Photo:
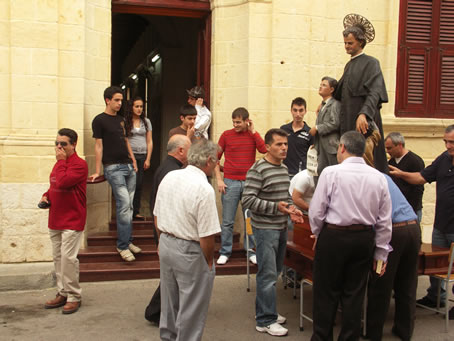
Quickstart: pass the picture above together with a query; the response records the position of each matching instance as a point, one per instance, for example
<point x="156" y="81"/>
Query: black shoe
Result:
<point x="396" y="334"/>
<point x="451" y="314"/>
<point x="426" y="301"/>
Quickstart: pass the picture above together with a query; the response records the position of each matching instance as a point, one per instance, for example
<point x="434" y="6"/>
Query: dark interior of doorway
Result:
<point x="136" y="39"/>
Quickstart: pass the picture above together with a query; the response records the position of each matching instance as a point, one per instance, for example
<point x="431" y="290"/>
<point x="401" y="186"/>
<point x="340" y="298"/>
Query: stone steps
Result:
<point x="108" y="253"/>
<point x="100" y="261"/>
<point x="116" y="271"/>
<point x="142" y="236"/>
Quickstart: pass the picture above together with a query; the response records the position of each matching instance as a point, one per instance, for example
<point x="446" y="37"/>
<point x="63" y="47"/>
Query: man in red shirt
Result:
<point x="66" y="200"/>
<point x="239" y="146"/>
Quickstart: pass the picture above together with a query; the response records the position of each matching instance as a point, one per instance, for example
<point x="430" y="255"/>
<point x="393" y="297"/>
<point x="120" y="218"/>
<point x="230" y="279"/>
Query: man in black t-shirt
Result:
<point x="299" y="139"/>
<point x="177" y="157"/>
<point x="441" y="171"/>
<point x="406" y="161"/>
<point x="113" y="150"/>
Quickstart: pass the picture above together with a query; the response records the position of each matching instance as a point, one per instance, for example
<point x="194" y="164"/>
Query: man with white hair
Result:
<point x="187" y="220"/>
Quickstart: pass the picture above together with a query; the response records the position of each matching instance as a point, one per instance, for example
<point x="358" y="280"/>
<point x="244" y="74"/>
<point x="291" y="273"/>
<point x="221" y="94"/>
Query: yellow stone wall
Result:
<point x="54" y="66"/>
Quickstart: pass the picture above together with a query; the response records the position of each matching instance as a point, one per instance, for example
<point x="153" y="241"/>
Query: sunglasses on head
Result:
<point x="61" y="143"/>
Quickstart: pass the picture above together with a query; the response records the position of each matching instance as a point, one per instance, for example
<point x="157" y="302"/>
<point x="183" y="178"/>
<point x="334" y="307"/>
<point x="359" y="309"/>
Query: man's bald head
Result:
<point x="178" y="147"/>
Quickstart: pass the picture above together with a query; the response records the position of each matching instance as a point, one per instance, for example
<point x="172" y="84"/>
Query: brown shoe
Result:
<point x="71" y="307"/>
<point x="58" y="301"/>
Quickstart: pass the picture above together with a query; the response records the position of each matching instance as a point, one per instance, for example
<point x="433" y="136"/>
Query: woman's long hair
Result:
<point x="130" y="114"/>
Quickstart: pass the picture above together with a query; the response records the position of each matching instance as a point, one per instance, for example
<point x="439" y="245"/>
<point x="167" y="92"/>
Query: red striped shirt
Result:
<point x="239" y="152"/>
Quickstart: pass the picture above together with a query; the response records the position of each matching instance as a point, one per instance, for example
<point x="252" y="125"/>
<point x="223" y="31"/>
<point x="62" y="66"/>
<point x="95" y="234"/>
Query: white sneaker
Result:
<point x="281" y="319"/>
<point x="274" y="329"/>
<point x="222" y="260"/>
<point x="126" y="255"/>
<point x="253" y="259"/>
<point x="134" y="249"/>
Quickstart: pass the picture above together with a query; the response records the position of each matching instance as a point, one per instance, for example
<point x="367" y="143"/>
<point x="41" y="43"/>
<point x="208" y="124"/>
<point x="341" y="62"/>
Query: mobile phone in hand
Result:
<point x="43" y="204"/>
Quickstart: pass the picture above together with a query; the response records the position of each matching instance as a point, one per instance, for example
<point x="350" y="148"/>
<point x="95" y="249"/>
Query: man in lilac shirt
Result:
<point x="350" y="215"/>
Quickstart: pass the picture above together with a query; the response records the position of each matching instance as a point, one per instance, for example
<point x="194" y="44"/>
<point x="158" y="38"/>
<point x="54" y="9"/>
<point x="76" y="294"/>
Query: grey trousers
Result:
<point x="186" y="286"/>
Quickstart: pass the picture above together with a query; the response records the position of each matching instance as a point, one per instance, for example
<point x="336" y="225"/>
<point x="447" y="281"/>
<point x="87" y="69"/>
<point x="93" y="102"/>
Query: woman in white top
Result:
<point x="138" y="130"/>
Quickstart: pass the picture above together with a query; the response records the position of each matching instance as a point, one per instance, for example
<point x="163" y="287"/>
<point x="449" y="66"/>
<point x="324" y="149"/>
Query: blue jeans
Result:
<point x="122" y="179"/>
<point x="230" y="201"/>
<point x="271" y="245"/>
<point x="444" y="240"/>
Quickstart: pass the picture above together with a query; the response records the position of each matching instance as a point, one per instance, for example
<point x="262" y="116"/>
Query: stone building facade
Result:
<point x="55" y="60"/>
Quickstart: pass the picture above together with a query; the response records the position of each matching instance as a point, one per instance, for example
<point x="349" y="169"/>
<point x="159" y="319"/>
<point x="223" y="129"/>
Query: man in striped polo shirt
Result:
<point x="239" y="147"/>
<point x="266" y="195"/>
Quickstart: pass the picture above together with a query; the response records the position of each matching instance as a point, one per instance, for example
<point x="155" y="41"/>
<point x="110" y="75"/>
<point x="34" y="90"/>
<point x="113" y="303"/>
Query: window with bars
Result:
<point x="425" y="62"/>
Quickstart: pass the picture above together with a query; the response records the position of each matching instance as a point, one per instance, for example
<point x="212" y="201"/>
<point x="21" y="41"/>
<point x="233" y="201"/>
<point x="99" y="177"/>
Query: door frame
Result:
<point x="178" y="8"/>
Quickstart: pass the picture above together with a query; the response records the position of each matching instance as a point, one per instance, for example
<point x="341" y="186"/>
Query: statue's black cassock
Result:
<point x="362" y="90"/>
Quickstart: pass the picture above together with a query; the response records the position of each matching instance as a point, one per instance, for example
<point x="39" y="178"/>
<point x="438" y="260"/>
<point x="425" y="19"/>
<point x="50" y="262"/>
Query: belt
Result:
<point x="405" y="223"/>
<point x="116" y="163"/>
<point x="354" y="227"/>
<point x="172" y="235"/>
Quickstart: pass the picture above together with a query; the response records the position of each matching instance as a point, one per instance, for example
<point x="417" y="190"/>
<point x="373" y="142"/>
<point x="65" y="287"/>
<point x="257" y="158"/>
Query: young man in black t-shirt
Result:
<point x="113" y="150"/>
<point x="299" y="139"/>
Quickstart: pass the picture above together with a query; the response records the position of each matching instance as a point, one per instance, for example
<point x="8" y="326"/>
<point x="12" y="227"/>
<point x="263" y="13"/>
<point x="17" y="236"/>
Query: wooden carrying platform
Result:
<point x="300" y="257"/>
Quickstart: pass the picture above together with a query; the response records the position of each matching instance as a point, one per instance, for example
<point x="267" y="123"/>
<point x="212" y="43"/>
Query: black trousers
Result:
<point x="402" y="276"/>
<point x="140" y="158"/>
<point x="342" y="262"/>
<point x="153" y="310"/>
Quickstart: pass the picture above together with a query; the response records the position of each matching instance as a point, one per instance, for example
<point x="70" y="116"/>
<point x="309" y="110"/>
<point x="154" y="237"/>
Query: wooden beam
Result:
<point x="176" y="8"/>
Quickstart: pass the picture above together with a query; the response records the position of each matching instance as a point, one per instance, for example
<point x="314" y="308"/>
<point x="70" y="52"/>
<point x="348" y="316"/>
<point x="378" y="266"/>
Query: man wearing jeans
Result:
<point x="120" y="167"/>
<point x="441" y="171"/>
<point x="266" y="195"/>
<point x="67" y="203"/>
<point x="239" y="146"/>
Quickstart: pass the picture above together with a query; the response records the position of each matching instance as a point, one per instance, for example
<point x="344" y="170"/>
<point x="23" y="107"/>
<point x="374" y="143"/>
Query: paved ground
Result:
<point x="114" y="311"/>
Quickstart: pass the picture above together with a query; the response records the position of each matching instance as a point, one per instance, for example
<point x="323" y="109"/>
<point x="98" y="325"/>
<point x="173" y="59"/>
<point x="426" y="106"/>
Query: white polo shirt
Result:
<point x="304" y="183"/>
<point x="186" y="205"/>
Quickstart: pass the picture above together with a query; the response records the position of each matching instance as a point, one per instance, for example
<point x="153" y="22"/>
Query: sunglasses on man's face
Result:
<point x="61" y="143"/>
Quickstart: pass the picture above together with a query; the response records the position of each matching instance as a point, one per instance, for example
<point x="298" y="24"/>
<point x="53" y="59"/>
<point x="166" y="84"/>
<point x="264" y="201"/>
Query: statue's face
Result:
<point x="325" y="89"/>
<point x="352" y="46"/>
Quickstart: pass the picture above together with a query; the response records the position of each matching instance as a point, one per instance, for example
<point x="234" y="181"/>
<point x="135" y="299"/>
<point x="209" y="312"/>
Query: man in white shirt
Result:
<point x="196" y="97"/>
<point x="302" y="188"/>
<point x="186" y="219"/>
